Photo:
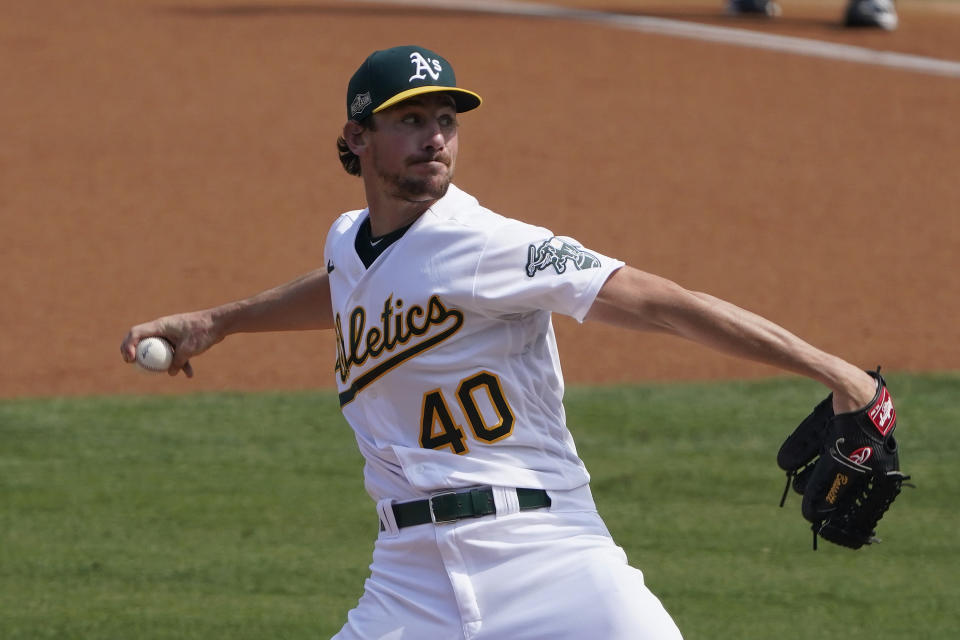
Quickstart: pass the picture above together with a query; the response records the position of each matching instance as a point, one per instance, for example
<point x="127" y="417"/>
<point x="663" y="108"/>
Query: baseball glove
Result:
<point x="847" y="468"/>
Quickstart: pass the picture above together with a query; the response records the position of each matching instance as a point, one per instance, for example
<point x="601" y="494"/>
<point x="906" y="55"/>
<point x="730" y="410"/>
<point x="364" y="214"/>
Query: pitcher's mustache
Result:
<point x="430" y="157"/>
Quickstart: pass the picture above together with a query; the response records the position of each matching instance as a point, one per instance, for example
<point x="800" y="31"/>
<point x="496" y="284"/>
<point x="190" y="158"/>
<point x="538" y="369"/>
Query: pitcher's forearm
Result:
<point x="742" y="333"/>
<point x="301" y="304"/>
<point x="643" y="301"/>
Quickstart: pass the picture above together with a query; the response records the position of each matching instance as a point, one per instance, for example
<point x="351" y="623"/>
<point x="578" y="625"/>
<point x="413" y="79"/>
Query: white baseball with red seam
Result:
<point x="154" y="355"/>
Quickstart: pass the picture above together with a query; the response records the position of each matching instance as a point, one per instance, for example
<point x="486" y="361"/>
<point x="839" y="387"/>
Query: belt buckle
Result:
<point x="433" y="516"/>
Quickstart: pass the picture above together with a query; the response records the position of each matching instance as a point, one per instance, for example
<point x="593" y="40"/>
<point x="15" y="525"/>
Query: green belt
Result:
<point x="451" y="506"/>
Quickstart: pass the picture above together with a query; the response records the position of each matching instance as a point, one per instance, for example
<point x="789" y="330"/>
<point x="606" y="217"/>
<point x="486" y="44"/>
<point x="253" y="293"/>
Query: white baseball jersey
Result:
<point x="447" y="365"/>
<point x="448" y="373"/>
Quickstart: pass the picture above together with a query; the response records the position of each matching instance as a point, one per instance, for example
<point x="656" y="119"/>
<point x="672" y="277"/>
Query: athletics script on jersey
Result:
<point x="556" y="252"/>
<point x="403" y="332"/>
<point x="397" y="327"/>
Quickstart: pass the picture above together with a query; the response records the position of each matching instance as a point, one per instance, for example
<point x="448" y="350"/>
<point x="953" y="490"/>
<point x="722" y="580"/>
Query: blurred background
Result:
<point x="166" y="156"/>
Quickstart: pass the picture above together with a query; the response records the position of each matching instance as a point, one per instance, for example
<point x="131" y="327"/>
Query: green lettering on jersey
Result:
<point x="397" y="327"/>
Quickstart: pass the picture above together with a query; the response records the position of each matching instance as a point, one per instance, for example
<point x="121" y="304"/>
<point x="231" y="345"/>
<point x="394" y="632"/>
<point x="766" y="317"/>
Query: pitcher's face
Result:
<point x="413" y="149"/>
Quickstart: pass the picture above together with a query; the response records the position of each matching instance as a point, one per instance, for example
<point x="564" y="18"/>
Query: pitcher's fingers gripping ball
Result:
<point x="154" y="355"/>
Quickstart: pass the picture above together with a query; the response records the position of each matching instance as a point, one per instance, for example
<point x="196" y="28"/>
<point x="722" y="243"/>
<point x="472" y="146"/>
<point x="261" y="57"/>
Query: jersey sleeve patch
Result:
<point x="559" y="253"/>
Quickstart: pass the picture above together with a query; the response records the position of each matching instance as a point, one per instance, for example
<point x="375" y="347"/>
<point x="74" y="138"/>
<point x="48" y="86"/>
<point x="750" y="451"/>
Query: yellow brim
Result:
<point x="465" y="100"/>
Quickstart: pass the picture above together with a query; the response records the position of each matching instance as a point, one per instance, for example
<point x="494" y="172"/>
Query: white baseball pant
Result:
<point x="548" y="574"/>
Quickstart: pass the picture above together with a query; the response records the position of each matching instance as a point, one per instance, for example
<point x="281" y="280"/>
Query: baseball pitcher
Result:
<point x="446" y="364"/>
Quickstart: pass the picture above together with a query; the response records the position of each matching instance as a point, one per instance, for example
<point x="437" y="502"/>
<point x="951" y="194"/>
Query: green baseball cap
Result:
<point x="392" y="75"/>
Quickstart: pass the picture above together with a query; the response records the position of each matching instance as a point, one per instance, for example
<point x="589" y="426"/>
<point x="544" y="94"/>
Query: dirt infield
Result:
<point x="164" y="156"/>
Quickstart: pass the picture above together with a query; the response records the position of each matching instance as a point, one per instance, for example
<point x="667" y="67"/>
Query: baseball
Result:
<point x="154" y="355"/>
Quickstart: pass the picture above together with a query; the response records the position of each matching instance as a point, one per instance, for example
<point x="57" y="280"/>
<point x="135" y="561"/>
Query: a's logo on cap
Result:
<point x="423" y="65"/>
<point x="361" y="102"/>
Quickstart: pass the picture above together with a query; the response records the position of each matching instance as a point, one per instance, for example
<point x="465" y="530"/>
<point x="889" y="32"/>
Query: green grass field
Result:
<point x="241" y="516"/>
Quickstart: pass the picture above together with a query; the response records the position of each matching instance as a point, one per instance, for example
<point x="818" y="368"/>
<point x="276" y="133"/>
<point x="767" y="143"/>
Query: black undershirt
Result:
<point x="370" y="248"/>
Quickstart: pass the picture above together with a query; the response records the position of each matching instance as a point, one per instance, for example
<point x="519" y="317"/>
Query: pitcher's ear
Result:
<point x="353" y="135"/>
